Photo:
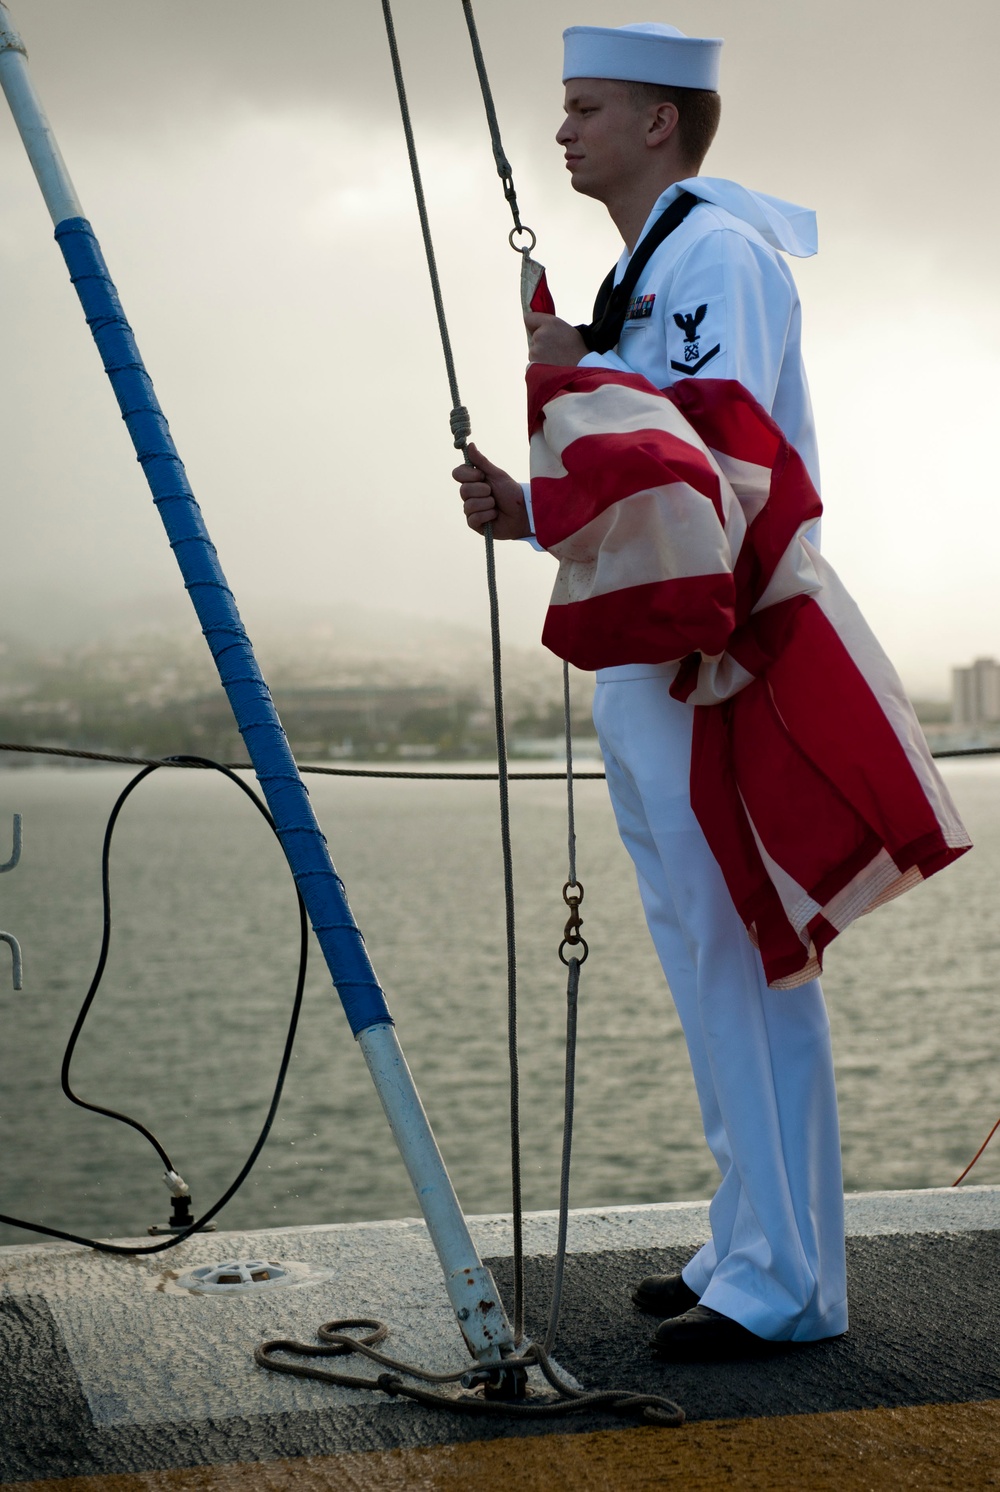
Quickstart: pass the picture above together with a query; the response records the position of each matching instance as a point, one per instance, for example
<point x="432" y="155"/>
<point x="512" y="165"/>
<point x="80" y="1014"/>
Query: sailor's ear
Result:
<point x="662" y="123"/>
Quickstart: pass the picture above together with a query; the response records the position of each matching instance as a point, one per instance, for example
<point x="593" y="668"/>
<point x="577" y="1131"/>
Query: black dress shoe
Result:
<point x="664" y="1295"/>
<point x="702" y="1335"/>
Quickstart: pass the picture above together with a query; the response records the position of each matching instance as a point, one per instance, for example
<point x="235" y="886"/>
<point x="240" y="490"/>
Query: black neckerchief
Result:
<point x="612" y="303"/>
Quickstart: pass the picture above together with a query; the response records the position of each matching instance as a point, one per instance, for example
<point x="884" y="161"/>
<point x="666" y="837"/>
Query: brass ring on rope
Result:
<point x="521" y="248"/>
<point x="581" y="958"/>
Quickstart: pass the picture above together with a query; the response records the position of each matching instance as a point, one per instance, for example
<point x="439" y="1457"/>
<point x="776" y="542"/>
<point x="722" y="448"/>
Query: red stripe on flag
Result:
<point x="792" y="503"/>
<point x="758" y="641"/>
<point x="652" y="623"/>
<point x="716" y="801"/>
<point x="542" y="299"/>
<point x="828" y="708"/>
<point x="807" y="754"/>
<point x="804" y="823"/>
<point x="729" y="420"/>
<point x="605" y="469"/>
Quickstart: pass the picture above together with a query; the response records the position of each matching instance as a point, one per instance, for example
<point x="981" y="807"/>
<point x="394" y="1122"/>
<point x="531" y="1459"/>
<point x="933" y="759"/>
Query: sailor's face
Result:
<point x="602" y="136"/>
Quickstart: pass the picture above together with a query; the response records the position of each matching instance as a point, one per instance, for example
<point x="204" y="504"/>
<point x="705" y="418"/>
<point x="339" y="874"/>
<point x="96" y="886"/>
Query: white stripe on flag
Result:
<point x="750" y="482"/>
<point x="615" y="410"/>
<point x="665" y="533"/>
<point x="794" y="575"/>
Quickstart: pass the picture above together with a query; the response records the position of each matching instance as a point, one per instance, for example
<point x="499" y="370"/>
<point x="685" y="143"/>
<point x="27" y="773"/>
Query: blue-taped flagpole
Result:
<point x="471" y="1289"/>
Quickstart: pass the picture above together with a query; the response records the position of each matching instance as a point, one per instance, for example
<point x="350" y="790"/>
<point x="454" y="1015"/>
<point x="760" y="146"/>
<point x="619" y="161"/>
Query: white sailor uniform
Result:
<point x="717" y="300"/>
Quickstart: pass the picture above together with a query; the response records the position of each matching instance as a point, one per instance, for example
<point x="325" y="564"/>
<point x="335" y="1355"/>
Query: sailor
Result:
<point x="714" y="299"/>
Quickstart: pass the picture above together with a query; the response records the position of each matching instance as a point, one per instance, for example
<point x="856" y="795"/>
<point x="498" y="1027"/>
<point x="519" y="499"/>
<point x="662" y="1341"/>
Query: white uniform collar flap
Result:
<point x="781" y="224"/>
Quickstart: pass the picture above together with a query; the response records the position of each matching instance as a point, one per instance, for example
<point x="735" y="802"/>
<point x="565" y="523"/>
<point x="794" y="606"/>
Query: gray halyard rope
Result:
<point x="570" y="807"/>
<point x="461" y="425"/>
<point x="573" y="966"/>
<point x="461" y="429"/>
<point x="503" y="165"/>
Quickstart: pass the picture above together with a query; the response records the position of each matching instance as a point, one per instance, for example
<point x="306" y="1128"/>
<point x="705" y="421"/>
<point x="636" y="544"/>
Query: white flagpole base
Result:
<point x="471" y="1290"/>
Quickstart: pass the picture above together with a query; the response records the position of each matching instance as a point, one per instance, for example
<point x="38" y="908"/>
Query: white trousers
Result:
<point x="761" y="1058"/>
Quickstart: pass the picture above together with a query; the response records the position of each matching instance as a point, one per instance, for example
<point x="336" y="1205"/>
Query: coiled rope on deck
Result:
<point x="335" y="1341"/>
<point x="570" y="776"/>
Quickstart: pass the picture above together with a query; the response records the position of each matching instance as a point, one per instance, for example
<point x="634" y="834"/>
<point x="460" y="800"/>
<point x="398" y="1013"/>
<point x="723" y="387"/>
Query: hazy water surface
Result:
<point x="187" y="1029"/>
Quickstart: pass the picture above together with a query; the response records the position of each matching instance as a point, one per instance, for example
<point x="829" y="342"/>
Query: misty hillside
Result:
<point x="347" y="682"/>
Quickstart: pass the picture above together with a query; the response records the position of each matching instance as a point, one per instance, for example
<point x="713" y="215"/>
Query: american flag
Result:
<point x="678" y="518"/>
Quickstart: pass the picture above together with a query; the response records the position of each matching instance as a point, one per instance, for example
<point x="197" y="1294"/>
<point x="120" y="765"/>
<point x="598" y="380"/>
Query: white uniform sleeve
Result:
<point x="530" y="538"/>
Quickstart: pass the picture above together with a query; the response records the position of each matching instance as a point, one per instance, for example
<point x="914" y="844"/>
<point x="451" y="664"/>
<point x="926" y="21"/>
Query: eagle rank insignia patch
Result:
<point x="694" y="335"/>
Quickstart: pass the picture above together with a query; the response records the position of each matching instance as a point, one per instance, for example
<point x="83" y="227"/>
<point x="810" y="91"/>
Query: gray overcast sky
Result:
<point x="244" y="168"/>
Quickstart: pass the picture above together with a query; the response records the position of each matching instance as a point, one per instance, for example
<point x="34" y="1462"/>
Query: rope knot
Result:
<point x="461" y="425"/>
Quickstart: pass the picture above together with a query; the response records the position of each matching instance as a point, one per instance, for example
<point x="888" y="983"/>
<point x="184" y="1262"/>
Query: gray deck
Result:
<point x="107" y="1366"/>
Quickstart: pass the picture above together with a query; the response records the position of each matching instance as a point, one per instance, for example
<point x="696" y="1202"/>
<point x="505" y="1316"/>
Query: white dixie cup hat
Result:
<point x="647" y="52"/>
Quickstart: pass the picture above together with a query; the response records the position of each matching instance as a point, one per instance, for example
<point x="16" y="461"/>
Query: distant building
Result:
<point x="975" y="693"/>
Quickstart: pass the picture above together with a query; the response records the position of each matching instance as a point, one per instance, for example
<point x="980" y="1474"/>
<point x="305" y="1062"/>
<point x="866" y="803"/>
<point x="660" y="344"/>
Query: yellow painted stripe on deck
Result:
<point x="930" y="1447"/>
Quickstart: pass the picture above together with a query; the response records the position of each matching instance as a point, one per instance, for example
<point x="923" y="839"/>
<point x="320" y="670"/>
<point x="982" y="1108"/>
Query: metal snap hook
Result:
<point x="15" y="954"/>
<point x="15" y="857"/>
<point x="9" y="938"/>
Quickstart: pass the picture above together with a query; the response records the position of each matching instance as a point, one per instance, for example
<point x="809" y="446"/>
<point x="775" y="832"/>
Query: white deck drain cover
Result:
<point x="238" y="1276"/>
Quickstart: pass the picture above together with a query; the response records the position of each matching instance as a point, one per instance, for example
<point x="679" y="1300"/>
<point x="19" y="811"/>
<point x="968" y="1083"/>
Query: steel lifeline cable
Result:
<point x="78" y="753"/>
<point x="182" y="1201"/>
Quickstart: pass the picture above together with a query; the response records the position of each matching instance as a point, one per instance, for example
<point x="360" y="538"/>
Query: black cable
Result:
<point x="197" y="1226"/>
<point x="95" y="983"/>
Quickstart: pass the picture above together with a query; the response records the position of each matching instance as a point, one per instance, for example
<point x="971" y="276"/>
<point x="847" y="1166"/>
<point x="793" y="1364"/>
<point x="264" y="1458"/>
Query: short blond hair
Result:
<point x="698" y="109"/>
